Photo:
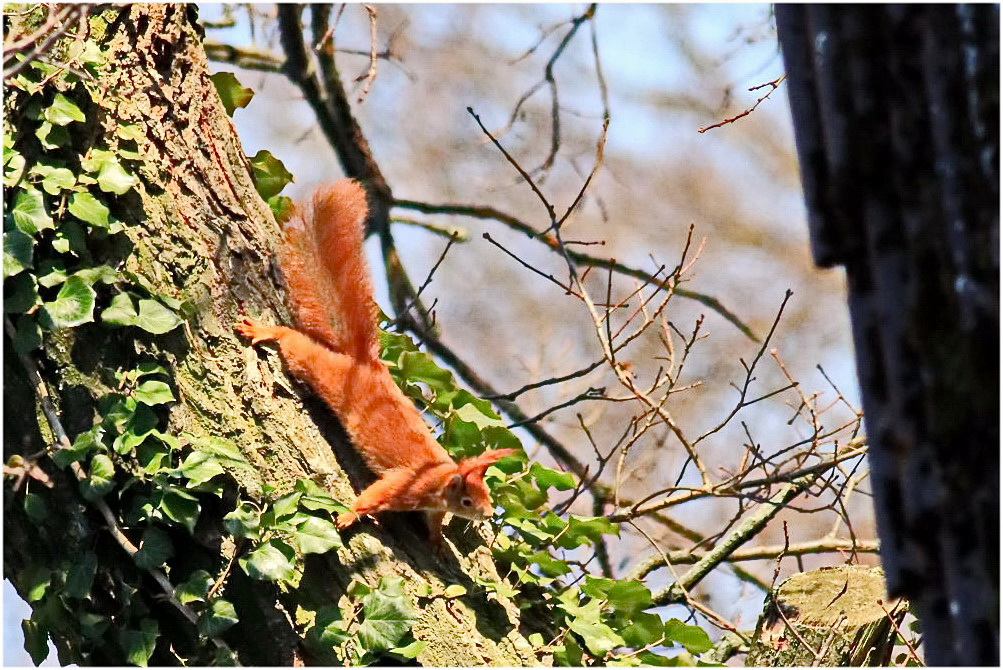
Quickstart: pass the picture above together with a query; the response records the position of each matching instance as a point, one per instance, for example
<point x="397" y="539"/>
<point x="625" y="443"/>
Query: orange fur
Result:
<point x="328" y="281"/>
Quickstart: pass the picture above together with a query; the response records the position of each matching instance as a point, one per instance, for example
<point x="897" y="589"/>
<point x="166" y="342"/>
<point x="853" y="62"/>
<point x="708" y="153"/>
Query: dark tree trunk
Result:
<point x="896" y="114"/>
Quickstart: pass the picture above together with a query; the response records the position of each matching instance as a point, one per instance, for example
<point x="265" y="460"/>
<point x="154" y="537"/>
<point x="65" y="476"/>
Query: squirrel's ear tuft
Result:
<point x="478" y="464"/>
<point x="455" y="482"/>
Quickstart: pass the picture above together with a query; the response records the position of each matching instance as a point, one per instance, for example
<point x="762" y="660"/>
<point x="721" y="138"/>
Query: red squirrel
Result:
<point x="329" y="283"/>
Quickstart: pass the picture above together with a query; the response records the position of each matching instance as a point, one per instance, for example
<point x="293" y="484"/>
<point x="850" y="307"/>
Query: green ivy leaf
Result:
<point x="315" y="498"/>
<point x="328" y="630"/>
<point x="27" y="335"/>
<point x="509" y="497"/>
<point x="629" y="597"/>
<point x="220" y="616"/>
<point x="35" y="507"/>
<point x="282" y="207"/>
<point x="199" y="467"/>
<point x="150" y="367"/>
<point x="317" y="536"/>
<point x="285" y="507"/>
<point x="154" y="318"/>
<point x="645" y="629"/>
<point x="626" y="598"/>
<point x="36" y="640"/>
<point x="272" y="561"/>
<point x="416" y="366"/>
<point x="80" y="577"/>
<point x="393" y="345"/>
<point x="73" y="306"/>
<point x="475" y="416"/>
<point x="153" y="392"/>
<point x="139" y="424"/>
<point x="547" y="478"/>
<point x="411" y="650"/>
<point x="224" y="450"/>
<point x="20" y="294"/>
<point x="657" y="660"/>
<point x="461" y="436"/>
<point x="18" y="253"/>
<point x="100" y="478"/>
<point x="153" y="457"/>
<point x="120" y="312"/>
<point x="90" y="54"/>
<point x="13" y="162"/>
<point x="244" y="521"/>
<point x="116" y="410"/>
<point x="195" y="588"/>
<point x="496" y="437"/>
<point x="181" y="506"/>
<point x="70" y="238"/>
<point x="112" y="178"/>
<point x="93" y="626"/>
<point x="530" y="528"/>
<point x="549" y="565"/>
<point x="34" y="581"/>
<point x="270" y="175"/>
<point x="139" y="644"/>
<point x="141" y="511"/>
<point x="95" y="159"/>
<point x="52" y="136"/>
<point x="569" y="653"/>
<point x="56" y="180"/>
<point x="599" y="638"/>
<point x="85" y="443"/>
<point x="388" y="615"/>
<point x="154" y="550"/>
<point x="29" y="211"/>
<point x="501" y="587"/>
<point x="231" y="92"/>
<point x="51" y="272"/>
<point x="693" y="638"/>
<point x="586" y="530"/>
<point x="104" y="274"/>
<point x="89" y="209"/>
<point x="62" y="111"/>
<point x="130" y="131"/>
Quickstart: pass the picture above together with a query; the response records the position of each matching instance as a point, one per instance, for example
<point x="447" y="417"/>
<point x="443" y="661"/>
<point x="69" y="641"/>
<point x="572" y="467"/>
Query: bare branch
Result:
<point x="741" y="534"/>
<point x="773" y="86"/>
<point x="488" y="212"/>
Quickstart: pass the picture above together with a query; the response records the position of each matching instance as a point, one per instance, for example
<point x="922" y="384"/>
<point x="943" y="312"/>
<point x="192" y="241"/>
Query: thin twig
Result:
<point x="773" y="86"/>
<point x="370" y="75"/>
<point x="488" y="212"/>
<point x="514" y="163"/>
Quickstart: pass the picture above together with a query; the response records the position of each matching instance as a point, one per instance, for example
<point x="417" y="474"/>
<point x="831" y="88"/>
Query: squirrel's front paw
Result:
<point x="253" y="331"/>
<point x="345" y="520"/>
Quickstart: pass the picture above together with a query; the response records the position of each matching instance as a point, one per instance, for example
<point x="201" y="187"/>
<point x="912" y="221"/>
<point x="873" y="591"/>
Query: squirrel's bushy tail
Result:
<point x="325" y="267"/>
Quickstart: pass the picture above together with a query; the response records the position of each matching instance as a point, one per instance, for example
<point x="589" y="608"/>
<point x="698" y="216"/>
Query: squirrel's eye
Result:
<point x="466" y="502"/>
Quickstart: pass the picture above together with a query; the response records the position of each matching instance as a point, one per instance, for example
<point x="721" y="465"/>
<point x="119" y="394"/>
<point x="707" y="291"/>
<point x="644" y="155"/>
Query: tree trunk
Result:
<point x="200" y="234"/>
<point x="832" y="617"/>
<point x="896" y="113"/>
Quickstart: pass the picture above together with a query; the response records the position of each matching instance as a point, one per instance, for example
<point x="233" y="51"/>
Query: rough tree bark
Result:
<point x="202" y="233"/>
<point x="896" y="113"/>
<point x="831" y="617"/>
